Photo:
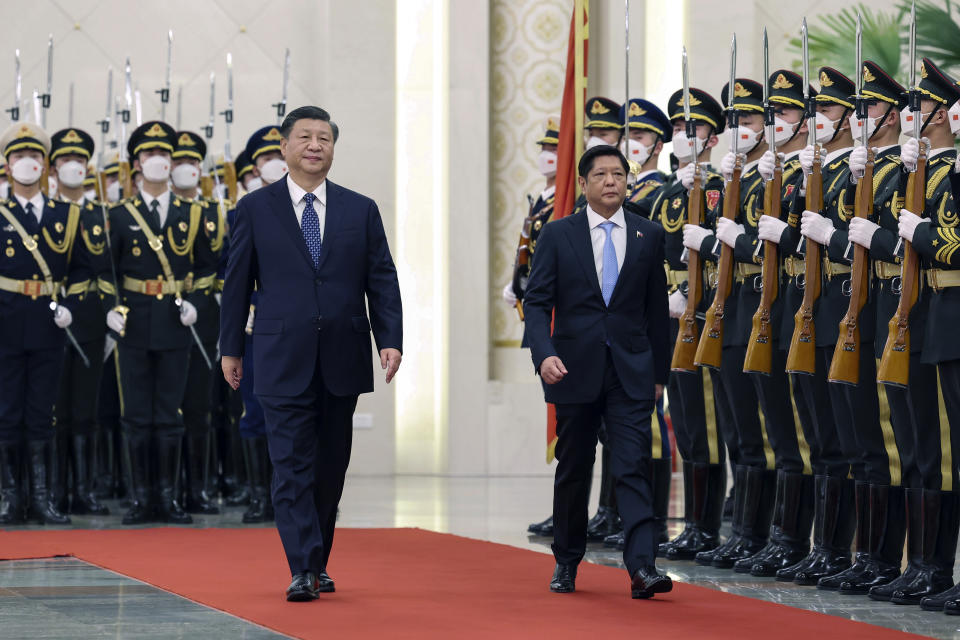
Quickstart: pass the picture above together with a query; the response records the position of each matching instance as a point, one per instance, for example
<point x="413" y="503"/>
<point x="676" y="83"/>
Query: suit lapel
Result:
<point x="331" y="222"/>
<point x="579" y="236"/>
<point x="283" y="210"/>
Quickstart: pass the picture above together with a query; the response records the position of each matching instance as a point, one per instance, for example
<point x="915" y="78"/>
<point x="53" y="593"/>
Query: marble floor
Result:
<point x="68" y="598"/>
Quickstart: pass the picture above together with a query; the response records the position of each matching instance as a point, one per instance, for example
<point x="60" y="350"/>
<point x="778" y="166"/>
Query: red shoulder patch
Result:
<point x="789" y="190"/>
<point x="713" y="198"/>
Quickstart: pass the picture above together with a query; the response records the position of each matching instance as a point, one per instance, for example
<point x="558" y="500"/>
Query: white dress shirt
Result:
<point x="37" y="201"/>
<point x="299" y="204"/>
<point x="163" y="200"/>
<point x="598" y="237"/>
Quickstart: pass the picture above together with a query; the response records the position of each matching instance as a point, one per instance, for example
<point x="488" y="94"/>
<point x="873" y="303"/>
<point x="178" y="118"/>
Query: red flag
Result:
<point x="570" y="145"/>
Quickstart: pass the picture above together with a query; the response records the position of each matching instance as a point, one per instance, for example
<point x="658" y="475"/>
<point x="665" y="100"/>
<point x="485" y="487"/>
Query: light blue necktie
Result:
<point x="310" y="225"/>
<point x="610" y="270"/>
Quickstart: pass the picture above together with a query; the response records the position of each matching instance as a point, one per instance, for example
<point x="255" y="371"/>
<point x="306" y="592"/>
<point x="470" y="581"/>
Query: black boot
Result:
<point x="235" y="491"/>
<point x="709" y="486"/>
<point x="84" y="501"/>
<point x="795" y="524"/>
<point x="663" y="549"/>
<point x="136" y="449"/>
<point x="544" y="528"/>
<point x="59" y="485"/>
<point x="839" y="523"/>
<point x="257" y="459"/>
<point x="941" y="522"/>
<point x="168" y="473"/>
<point x="888" y="517"/>
<point x="661" y="470"/>
<point x="42" y="471"/>
<point x="198" y="456"/>
<point x="103" y="484"/>
<point x="861" y="556"/>
<point x="743" y="565"/>
<point x="11" y="495"/>
<point x="705" y="557"/>
<point x="914" y="503"/>
<point x="759" y="497"/>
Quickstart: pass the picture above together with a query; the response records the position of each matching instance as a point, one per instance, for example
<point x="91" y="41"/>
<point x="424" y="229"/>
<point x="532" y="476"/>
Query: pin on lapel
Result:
<point x="639" y="234"/>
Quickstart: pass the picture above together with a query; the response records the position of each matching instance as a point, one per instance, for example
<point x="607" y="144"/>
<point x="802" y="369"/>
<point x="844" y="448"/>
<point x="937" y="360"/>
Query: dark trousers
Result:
<point x="79" y="393"/>
<point x="949" y="438"/>
<point x="627" y="424"/>
<point x="28" y="383"/>
<point x="815" y="389"/>
<point x="309" y="437"/>
<point x="724" y="415"/>
<point x="252" y="423"/>
<point x="152" y="385"/>
<point x="915" y="417"/>
<point x="773" y="392"/>
<point x="743" y="402"/>
<point x="198" y="391"/>
<point x="697" y="439"/>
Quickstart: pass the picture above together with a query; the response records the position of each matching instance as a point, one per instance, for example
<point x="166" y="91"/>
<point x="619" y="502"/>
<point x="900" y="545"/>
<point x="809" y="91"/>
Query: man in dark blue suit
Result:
<point x="599" y="275"/>
<point x="319" y="257"/>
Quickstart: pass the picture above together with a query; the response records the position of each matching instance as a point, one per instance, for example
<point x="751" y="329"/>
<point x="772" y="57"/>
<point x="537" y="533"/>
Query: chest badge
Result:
<point x="677" y="202"/>
<point x="182" y="226"/>
<point x="10" y="252"/>
<point x="58" y="227"/>
<point x="135" y="251"/>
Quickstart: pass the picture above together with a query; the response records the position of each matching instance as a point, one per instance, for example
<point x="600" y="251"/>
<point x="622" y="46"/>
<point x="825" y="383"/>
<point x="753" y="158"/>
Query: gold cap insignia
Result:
<point x="867" y="76"/>
<point x="273" y="134"/>
<point x="156" y="131"/>
<point x="923" y="70"/>
<point x="72" y="137"/>
<point x="27" y="132"/>
<point x="182" y="226"/>
<point x="693" y="101"/>
<point x="186" y="140"/>
<point x="825" y="80"/>
<point x="740" y="91"/>
<point x="781" y="82"/>
<point x="552" y="125"/>
<point x="598" y="108"/>
<point x="635" y="110"/>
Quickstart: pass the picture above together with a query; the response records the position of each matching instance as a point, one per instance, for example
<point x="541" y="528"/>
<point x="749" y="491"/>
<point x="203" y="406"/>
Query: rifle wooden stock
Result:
<point x="45" y="182"/>
<point x="522" y="258"/>
<point x="230" y="179"/>
<point x="206" y="186"/>
<point x="802" y="356"/>
<point x="845" y="366"/>
<point x="759" y="355"/>
<point x="895" y="361"/>
<point x="125" y="178"/>
<point x="685" y="348"/>
<point x="710" y="349"/>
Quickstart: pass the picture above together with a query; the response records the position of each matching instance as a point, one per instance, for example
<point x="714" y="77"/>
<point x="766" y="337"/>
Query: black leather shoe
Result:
<point x="544" y="528"/>
<point x="325" y="583"/>
<point x="564" y="579"/>
<point x="303" y="587"/>
<point x="647" y="581"/>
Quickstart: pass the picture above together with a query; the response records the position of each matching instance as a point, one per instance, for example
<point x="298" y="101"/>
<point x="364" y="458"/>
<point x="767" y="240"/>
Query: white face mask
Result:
<point x="856" y="126"/>
<point x="681" y="146"/>
<point x="636" y="151"/>
<point x="113" y="191"/>
<point x="253" y="184"/>
<point x="906" y="121"/>
<point x="826" y="128"/>
<point x="783" y="130"/>
<point x="547" y="163"/>
<point x="72" y="174"/>
<point x="26" y="171"/>
<point x="273" y="170"/>
<point x="156" y="168"/>
<point x="594" y="141"/>
<point x="185" y="176"/>
<point x="90" y="194"/>
<point x="747" y="138"/>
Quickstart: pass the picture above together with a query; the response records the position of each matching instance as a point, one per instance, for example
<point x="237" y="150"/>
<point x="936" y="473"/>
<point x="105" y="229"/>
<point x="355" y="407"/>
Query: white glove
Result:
<point x="910" y="153"/>
<point x="508" y="296"/>
<point x="770" y="228"/>
<point x="727" y="164"/>
<point x="767" y="164"/>
<point x="188" y="313"/>
<point x="908" y="224"/>
<point x="806" y="159"/>
<point x="728" y="231"/>
<point x="678" y="304"/>
<point x="861" y="232"/>
<point x="62" y="317"/>
<point x="685" y="176"/>
<point x="116" y="321"/>
<point x="858" y="162"/>
<point x="694" y="235"/>
<point x="816" y="227"/>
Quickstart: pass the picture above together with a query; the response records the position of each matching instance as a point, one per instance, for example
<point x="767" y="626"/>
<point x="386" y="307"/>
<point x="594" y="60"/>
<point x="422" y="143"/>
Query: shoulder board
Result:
<point x="842" y="161"/>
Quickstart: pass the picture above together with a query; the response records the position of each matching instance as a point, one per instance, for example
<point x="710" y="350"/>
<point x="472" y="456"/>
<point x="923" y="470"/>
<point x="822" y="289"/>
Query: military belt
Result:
<point x="885" y="270"/>
<point x="84" y="286"/>
<point x="106" y="287"/>
<point x="832" y="269"/>
<point x="745" y="270"/>
<point x="942" y="278"/>
<point x="159" y="287"/>
<point x="794" y="266"/>
<point x="675" y="277"/>
<point x="32" y="288"/>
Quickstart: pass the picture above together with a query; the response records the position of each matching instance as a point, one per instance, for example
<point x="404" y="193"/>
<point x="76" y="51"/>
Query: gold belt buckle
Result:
<point x="30" y="244"/>
<point x="33" y="288"/>
<point x="153" y="287"/>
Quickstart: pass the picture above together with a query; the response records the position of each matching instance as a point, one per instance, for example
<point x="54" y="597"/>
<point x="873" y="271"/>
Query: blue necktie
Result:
<point x="310" y="225"/>
<point x="610" y="271"/>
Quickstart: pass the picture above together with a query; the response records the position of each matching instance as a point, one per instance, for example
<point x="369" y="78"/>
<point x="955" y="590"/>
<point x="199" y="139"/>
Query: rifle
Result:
<point x="206" y="180"/>
<point x="123" y="117"/>
<point x="281" y="106"/>
<point x="801" y="358"/>
<point x="685" y="348"/>
<point x="45" y="97"/>
<point x="229" y="168"/>
<point x="895" y="362"/>
<point x="845" y="366"/>
<point x="165" y="90"/>
<point x="14" y="111"/>
<point x="710" y="349"/>
<point x="104" y="130"/>
<point x="523" y="252"/>
<point x="760" y="345"/>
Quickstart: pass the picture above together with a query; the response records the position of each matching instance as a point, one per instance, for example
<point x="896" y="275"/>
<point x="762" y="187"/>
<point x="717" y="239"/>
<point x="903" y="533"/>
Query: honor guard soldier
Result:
<point x="90" y="183"/>
<point x="160" y="247"/>
<point x="189" y="151"/>
<point x="602" y="125"/>
<point x="700" y="443"/>
<point x="245" y="177"/>
<point x="932" y="233"/>
<point x="110" y="179"/>
<point x="38" y="236"/>
<point x="649" y="130"/>
<point x="76" y="408"/>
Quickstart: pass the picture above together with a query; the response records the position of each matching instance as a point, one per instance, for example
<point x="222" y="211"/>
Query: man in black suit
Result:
<point x="319" y="257"/>
<point x="599" y="275"/>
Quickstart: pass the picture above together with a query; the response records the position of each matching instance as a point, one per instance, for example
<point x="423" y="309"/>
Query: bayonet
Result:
<point x="14" y="111"/>
<point x="37" y="109"/>
<point x="45" y="97"/>
<point x="105" y="123"/>
<point x="208" y="129"/>
<point x="179" y="106"/>
<point x="69" y="107"/>
<point x="139" y="107"/>
<point x="733" y="117"/>
<point x="861" y="103"/>
<point x="165" y="90"/>
<point x="282" y="105"/>
<point x="626" y="77"/>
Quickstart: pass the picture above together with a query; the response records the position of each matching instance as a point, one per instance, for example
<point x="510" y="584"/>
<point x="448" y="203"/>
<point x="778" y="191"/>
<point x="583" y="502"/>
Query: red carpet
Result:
<point x="409" y="583"/>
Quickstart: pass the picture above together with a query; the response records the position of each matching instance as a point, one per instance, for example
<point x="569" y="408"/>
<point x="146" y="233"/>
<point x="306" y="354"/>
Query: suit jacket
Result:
<point x="306" y="313"/>
<point x="636" y="324"/>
